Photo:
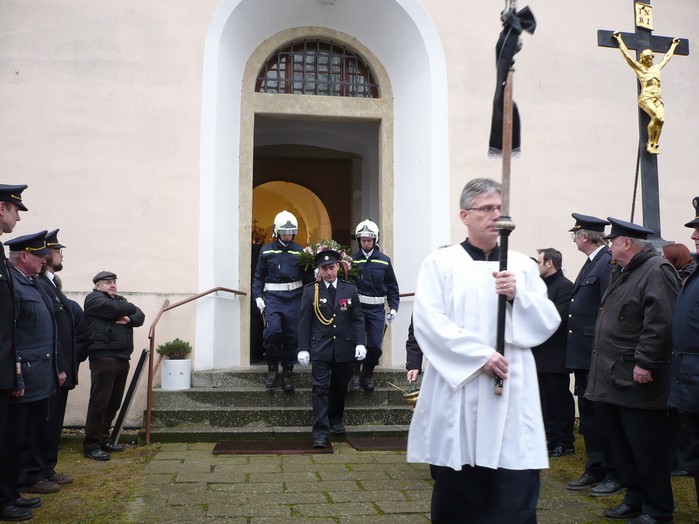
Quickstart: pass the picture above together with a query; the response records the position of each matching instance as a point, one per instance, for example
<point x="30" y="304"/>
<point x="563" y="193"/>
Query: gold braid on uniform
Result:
<point x="319" y="315"/>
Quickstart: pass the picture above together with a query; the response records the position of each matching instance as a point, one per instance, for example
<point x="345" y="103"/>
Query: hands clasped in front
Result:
<point x="304" y="358"/>
<point x="360" y="352"/>
<point x="505" y="284"/>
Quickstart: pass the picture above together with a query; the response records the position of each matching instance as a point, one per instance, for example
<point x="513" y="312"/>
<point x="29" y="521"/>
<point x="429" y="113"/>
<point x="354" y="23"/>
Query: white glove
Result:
<point x="390" y="316"/>
<point x="304" y="358"/>
<point x="360" y="352"/>
<point x="260" y="304"/>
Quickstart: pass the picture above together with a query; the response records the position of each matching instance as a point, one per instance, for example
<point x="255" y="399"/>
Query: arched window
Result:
<point x="315" y="67"/>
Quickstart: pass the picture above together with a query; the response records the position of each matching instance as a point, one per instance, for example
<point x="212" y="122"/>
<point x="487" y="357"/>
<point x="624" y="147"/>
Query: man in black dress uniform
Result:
<point x="12" y="508"/>
<point x="331" y="330"/>
<point x="588" y="289"/>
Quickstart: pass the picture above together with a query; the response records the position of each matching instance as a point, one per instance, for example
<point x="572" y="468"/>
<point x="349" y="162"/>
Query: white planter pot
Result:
<point x="175" y="374"/>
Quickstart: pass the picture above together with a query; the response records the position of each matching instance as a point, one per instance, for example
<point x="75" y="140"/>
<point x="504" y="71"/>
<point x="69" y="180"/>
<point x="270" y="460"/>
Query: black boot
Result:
<point x="287" y="380"/>
<point x="273" y="376"/>
<point x="365" y="381"/>
<point x="354" y="383"/>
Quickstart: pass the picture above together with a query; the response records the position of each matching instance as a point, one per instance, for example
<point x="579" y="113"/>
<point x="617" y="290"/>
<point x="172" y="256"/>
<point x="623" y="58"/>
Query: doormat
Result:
<point x="378" y="443"/>
<point x="268" y="447"/>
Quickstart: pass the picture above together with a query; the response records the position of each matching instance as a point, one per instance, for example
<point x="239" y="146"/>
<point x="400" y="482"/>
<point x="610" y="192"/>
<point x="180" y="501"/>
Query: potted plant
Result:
<point x="176" y="368"/>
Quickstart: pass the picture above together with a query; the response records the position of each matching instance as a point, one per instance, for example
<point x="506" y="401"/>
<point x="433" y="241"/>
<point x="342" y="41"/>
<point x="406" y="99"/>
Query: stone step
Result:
<point x="210" y="434"/>
<point x="267" y="398"/>
<point x="256" y="376"/>
<point x="279" y="416"/>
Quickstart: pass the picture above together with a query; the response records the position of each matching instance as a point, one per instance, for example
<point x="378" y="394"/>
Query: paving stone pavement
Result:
<point x="186" y="483"/>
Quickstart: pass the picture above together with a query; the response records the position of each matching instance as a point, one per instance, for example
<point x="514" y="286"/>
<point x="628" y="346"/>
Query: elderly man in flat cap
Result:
<point x="331" y="332"/>
<point x="110" y="320"/>
<point x="684" y="390"/>
<point x="630" y="372"/>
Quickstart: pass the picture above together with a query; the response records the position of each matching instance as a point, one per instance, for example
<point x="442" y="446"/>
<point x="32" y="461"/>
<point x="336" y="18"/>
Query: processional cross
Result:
<point x="650" y="103"/>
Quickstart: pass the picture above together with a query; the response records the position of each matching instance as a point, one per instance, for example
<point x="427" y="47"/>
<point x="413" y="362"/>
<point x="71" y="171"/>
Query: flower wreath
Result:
<point x="346" y="263"/>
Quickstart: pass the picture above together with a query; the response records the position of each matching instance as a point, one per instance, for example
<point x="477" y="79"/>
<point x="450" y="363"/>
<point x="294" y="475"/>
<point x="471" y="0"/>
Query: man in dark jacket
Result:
<point x="36" y="348"/>
<point x="588" y="289"/>
<point x="10" y="439"/>
<point x="71" y="335"/>
<point x="630" y="372"/>
<point x="331" y="332"/>
<point x="557" y="403"/>
<point x="684" y="390"/>
<point x="110" y="320"/>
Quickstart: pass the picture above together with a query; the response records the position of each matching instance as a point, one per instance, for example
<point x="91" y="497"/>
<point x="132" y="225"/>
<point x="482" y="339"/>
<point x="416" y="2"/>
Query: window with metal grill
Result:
<point x="315" y="67"/>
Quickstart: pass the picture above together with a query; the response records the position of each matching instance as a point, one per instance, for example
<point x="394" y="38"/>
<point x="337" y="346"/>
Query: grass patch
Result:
<point x="101" y="492"/>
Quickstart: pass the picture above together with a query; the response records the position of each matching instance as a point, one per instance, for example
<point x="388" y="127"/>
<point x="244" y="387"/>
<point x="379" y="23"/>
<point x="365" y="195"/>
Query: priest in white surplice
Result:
<point x="485" y="451"/>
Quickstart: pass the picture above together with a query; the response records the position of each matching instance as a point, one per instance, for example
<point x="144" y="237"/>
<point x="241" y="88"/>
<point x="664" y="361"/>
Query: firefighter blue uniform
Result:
<point x="376" y="285"/>
<point x="279" y="279"/>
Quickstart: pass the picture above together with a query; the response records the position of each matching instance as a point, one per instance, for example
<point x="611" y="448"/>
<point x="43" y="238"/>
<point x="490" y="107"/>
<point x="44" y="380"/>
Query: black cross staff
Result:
<point x="643" y="39"/>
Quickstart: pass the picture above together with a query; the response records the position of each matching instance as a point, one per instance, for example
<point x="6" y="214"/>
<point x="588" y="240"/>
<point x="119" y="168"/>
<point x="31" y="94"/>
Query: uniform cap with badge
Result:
<point x="327" y="257"/>
<point x="52" y="240"/>
<point x="694" y="223"/>
<point x="621" y="228"/>
<point x="34" y="243"/>
<point x="588" y="223"/>
<point x="13" y="193"/>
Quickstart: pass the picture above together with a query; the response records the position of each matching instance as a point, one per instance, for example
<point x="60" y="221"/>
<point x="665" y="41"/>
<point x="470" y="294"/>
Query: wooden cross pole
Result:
<point x="639" y="41"/>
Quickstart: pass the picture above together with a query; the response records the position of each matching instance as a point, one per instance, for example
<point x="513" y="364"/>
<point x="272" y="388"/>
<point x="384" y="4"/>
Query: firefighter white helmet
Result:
<point x="285" y="222"/>
<point x="367" y="229"/>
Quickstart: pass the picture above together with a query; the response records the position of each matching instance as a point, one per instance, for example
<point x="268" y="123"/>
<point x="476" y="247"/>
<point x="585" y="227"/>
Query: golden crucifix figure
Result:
<point x="650" y="99"/>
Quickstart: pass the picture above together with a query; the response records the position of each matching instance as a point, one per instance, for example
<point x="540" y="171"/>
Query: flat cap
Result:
<point x="13" y="193"/>
<point x="34" y="243"/>
<point x="103" y="275"/>
<point x="694" y="223"/>
<point x="588" y="222"/>
<point x="621" y="228"/>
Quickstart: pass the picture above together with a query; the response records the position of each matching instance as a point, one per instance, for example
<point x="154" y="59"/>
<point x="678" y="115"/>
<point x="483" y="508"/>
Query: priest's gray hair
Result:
<point x="476" y="187"/>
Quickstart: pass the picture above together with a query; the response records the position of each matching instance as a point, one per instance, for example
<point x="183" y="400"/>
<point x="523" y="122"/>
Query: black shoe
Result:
<point x="97" y="454"/>
<point x="112" y="448"/>
<point x="287" y="381"/>
<point x="273" y="377"/>
<point x="14" y="514"/>
<point x="365" y="383"/>
<point x="585" y="481"/>
<point x="561" y="450"/>
<point x="606" y="488"/>
<point x="337" y="428"/>
<point x="27" y="503"/>
<point x="622" y="512"/>
<point x="320" y="443"/>
<point x="644" y="518"/>
<point x="354" y="383"/>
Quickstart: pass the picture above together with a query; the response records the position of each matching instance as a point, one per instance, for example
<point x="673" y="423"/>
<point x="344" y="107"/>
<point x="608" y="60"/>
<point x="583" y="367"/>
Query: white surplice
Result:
<point x="458" y="420"/>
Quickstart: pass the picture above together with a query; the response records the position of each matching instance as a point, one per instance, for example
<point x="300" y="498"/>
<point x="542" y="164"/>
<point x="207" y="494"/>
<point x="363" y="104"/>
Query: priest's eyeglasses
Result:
<point x="485" y="209"/>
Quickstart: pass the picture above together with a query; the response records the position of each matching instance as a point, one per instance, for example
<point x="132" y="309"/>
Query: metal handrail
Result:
<point x="151" y="336"/>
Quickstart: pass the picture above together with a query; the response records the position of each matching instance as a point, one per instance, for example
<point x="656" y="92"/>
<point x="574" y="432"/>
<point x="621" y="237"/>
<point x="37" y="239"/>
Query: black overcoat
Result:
<point x="551" y="355"/>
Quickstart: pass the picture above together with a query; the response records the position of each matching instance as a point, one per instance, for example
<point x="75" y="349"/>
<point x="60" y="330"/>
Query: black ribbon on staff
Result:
<point x="508" y="45"/>
<point x="504" y="137"/>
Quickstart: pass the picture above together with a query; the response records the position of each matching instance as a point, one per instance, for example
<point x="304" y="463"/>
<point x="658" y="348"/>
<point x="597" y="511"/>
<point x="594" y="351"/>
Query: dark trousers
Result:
<point x="51" y="441"/>
<point x="641" y="445"/>
<point x="281" y="333"/>
<point x="329" y="382"/>
<point x="11" y="437"/>
<point x="477" y="495"/>
<point x="108" y="381"/>
<point x="594" y="431"/>
<point x="32" y="458"/>
<point x="374" y="320"/>
<point x="558" y="408"/>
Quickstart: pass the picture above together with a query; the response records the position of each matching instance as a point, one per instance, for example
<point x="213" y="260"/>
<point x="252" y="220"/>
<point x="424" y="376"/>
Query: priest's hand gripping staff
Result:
<point x="504" y="136"/>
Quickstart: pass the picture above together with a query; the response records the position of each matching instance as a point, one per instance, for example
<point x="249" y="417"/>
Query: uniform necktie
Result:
<point x="331" y="291"/>
<point x="57" y="282"/>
